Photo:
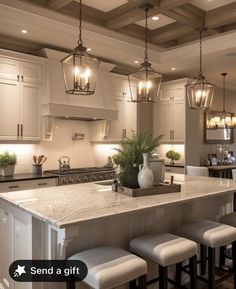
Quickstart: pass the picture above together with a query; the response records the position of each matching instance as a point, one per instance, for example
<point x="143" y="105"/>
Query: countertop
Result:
<point x="25" y="177"/>
<point x="70" y="205"/>
<point x="222" y="167"/>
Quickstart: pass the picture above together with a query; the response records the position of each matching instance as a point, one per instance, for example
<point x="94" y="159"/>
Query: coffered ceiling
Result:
<point x="114" y="29"/>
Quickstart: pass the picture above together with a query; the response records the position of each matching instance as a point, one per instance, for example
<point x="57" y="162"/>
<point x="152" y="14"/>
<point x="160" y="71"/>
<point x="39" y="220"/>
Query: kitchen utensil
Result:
<point x="40" y="158"/>
<point x="44" y="160"/>
<point x="35" y="159"/>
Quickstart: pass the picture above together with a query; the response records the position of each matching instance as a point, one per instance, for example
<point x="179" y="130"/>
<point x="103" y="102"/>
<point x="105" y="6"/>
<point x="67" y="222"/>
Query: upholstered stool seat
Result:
<point x="208" y="233"/>
<point x="229" y="219"/>
<point x="211" y="235"/>
<point x="110" y="267"/>
<point x="163" y="249"/>
<point x="166" y="250"/>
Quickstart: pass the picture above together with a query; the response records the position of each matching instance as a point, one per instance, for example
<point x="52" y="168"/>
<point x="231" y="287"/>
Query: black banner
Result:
<point x="48" y="270"/>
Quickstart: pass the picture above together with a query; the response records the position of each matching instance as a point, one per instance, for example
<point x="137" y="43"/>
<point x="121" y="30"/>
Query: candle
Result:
<point x="140" y="87"/>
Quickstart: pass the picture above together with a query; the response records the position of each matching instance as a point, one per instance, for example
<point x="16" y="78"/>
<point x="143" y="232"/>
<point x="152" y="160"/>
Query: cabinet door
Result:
<point x="166" y="122"/>
<point x="9" y="68"/>
<point x="31" y="72"/>
<point x="178" y="92"/>
<point x="179" y="120"/>
<point x="130" y="118"/>
<point x="9" y="109"/>
<point x="6" y="248"/>
<point x="30" y="111"/>
<point x="166" y="93"/>
<point x="118" y="125"/>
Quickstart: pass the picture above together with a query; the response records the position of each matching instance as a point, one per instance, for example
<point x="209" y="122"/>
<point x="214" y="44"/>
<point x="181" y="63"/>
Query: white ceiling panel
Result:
<point x="104" y="5"/>
<point x="208" y="5"/>
<point x="154" y="24"/>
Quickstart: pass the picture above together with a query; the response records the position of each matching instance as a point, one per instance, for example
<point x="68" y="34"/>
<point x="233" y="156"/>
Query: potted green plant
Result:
<point x="130" y="156"/>
<point x="173" y="156"/>
<point x="7" y="163"/>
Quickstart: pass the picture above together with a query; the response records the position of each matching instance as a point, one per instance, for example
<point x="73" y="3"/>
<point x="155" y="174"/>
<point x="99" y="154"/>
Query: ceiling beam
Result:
<point x="170" y="32"/>
<point x="131" y="16"/>
<point x="58" y="4"/>
<point x="188" y="15"/>
<point x="221" y="16"/>
<point x="126" y="15"/>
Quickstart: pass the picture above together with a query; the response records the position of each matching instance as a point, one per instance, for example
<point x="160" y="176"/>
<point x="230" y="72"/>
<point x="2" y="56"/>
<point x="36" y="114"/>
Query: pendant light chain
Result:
<point x="146" y="37"/>
<point x="200" y="71"/>
<point x="223" y="74"/>
<point x="80" y="41"/>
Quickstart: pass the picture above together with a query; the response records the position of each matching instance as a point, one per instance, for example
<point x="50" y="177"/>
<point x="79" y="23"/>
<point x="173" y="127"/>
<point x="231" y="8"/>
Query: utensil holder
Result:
<point x="36" y="169"/>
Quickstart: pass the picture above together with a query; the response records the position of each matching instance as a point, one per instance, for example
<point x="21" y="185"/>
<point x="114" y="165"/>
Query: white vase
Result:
<point x="145" y="175"/>
<point x="8" y="171"/>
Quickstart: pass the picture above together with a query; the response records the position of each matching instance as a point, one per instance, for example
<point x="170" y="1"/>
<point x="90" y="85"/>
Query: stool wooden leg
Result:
<point x="142" y="282"/>
<point x="203" y="250"/>
<point x="178" y="274"/>
<point x="211" y="268"/>
<point x="193" y="272"/>
<point x="222" y="257"/>
<point x="163" y="277"/>
<point x="234" y="262"/>
<point x="132" y="284"/>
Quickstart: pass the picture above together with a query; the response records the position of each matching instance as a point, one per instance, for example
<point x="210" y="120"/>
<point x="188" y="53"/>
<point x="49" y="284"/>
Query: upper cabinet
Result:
<point x="21" y="86"/>
<point x="169" y="112"/>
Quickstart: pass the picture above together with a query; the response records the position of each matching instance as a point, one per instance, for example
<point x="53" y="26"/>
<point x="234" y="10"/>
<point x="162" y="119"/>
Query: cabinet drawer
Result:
<point x="27" y="185"/>
<point x="174" y="170"/>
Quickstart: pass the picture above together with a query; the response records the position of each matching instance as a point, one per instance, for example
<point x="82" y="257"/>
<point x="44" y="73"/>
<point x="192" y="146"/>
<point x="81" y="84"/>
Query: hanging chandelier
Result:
<point x="146" y="79"/>
<point x="80" y="68"/>
<point x="200" y="91"/>
<point x="224" y="120"/>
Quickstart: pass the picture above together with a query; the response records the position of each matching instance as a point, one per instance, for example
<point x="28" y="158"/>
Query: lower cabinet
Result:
<point x="15" y="243"/>
<point x="27" y="185"/>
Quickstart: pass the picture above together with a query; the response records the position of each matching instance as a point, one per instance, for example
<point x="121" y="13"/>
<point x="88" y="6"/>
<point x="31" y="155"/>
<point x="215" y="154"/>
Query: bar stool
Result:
<point x="110" y="267"/>
<point x="211" y="235"/>
<point x="166" y="250"/>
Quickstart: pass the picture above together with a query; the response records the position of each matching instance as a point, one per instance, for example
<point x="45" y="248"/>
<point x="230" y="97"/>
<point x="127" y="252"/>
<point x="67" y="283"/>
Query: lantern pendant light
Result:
<point x="80" y="68"/>
<point x="146" y="79"/>
<point x="200" y="92"/>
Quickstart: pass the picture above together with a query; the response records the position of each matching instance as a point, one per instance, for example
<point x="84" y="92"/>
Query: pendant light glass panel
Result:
<point x="146" y="80"/>
<point x="80" y="72"/>
<point x="80" y="68"/>
<point x="200" y="94"/>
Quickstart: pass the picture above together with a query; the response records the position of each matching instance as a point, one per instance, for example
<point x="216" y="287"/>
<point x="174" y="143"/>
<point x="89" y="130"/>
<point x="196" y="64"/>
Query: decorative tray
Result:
<point x="163" y="188"/>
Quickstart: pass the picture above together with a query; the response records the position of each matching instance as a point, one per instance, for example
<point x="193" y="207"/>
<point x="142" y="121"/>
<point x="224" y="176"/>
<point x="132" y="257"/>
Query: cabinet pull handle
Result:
<point x="22" y="78"/>
<point x="18" y="130"/>
<point x="170" y="135"/>
<point x="42" y="184"/>
<point x="13" y="187"/>
<point x="173" y="134"/>
<point x="21" y="130"/>
<point x="124" y="133"/>
<point x="18" y="77"/>
<point x="168" y="170"/>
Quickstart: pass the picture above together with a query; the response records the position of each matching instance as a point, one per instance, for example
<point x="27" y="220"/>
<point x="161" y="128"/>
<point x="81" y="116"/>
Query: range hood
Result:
<point x="75" y="112"/>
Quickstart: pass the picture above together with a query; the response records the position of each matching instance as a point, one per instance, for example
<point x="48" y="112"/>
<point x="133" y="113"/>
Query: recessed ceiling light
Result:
<point x="24" y="31"/>
<point x="173" y="68"/>
<point x="136" y="61"/>
<point x="89" y="49"/>
<point x="155" y="18"/>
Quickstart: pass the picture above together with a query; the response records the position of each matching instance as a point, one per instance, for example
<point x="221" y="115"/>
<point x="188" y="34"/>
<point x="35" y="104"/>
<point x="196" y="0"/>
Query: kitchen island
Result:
<point x="53" y="223"/>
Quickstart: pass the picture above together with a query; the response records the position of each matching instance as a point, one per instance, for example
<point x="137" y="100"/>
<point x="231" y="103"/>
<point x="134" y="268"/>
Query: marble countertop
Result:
<point x="69" y="205"/>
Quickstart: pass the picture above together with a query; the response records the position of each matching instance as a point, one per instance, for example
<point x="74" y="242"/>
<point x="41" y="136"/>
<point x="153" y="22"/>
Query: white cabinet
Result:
<point x="6" y="250"/>
<point x="15" y="242"/>
<point x="27" y="185"/>
<point x="169" y="113"/>
<point x="127" y="110"/>
<point x="20" y="99"/>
